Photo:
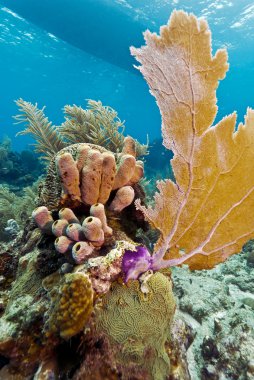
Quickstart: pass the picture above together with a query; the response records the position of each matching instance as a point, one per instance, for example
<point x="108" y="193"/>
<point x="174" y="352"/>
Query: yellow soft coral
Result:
<point x="203" y="215"/>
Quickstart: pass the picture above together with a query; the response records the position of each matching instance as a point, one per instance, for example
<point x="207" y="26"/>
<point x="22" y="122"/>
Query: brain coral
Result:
<point x="137" y="326"/>
<point x="73" y="305"/>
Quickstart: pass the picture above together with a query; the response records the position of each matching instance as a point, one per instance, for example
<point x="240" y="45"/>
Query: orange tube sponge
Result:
<point x="68" y="214"/>
<point x="75" y="232"/>
<point x="81" y="251"/>
<point x="92" y="228"/>
<point x="123" y="198"/>
<point x="91" y="177"/>
<point x="82" y="154"/>
<point x="74" y="306"/>
<point x="138" y="173"/>
<point x="69" y="175"/>
<point x="43" y="219"/>
<point x="129" y="146"/>
<point x="107" y="176"/>
<point x="125" y="171"/>
<point x="63" y="244"/>
<point x="59" y="227"/>
<point x="98" y="211"/>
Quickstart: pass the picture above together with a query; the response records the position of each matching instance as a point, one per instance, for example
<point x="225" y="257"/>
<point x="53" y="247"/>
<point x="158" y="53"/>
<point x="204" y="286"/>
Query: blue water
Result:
<point x="63" y="52"/>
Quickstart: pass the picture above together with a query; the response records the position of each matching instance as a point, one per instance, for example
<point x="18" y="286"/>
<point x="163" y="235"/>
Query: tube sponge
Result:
<point x="69" y="175"/>
<point x="63" y="244"/>
<point x="125" y="171"/>
<point x="75" y="232"/>
<point x="59" y="227"/>
<point x="82" y="154"/>
<point x="81" y="251"/>
<point x="129" y="146"/>
<point x="107" y="176"/>
<point x="123" y="198"/>
<point x="138" y="173"/>
<point x="68" y="214"/>
<point x="92" y="228"/>
<point x="98" y="211"/>
<point x="91" y="177"/>
<point x="43" y="218"/>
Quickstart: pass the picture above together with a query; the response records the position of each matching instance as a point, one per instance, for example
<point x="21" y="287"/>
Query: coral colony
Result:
<point x="78" y="271"/>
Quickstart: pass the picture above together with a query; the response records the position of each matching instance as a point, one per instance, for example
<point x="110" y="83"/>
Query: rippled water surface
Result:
<point x="59" y="52"/>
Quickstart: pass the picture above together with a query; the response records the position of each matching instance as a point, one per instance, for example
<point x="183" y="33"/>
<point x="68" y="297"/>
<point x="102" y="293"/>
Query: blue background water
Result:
<point x="62" y="52"/>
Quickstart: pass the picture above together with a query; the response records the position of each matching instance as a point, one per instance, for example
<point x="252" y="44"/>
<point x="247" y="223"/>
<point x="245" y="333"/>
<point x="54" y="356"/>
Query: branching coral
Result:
<point x="98" y="125"/>
<point x="202" y="215"/>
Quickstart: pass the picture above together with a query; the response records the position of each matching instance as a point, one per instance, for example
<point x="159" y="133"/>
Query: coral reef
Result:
<point x="66" y="258"/>
<point x="86" y="292"/>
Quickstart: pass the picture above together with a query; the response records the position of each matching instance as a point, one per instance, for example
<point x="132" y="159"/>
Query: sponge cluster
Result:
<point x="92" y="176"/>
<point x="81" y="239"/>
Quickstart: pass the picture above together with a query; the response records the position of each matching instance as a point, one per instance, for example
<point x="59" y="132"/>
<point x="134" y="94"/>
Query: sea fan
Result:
<point x="205" y="215"/>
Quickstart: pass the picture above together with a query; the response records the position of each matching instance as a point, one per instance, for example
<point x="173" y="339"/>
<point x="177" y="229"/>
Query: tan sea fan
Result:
<point x="205" y="215"/>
